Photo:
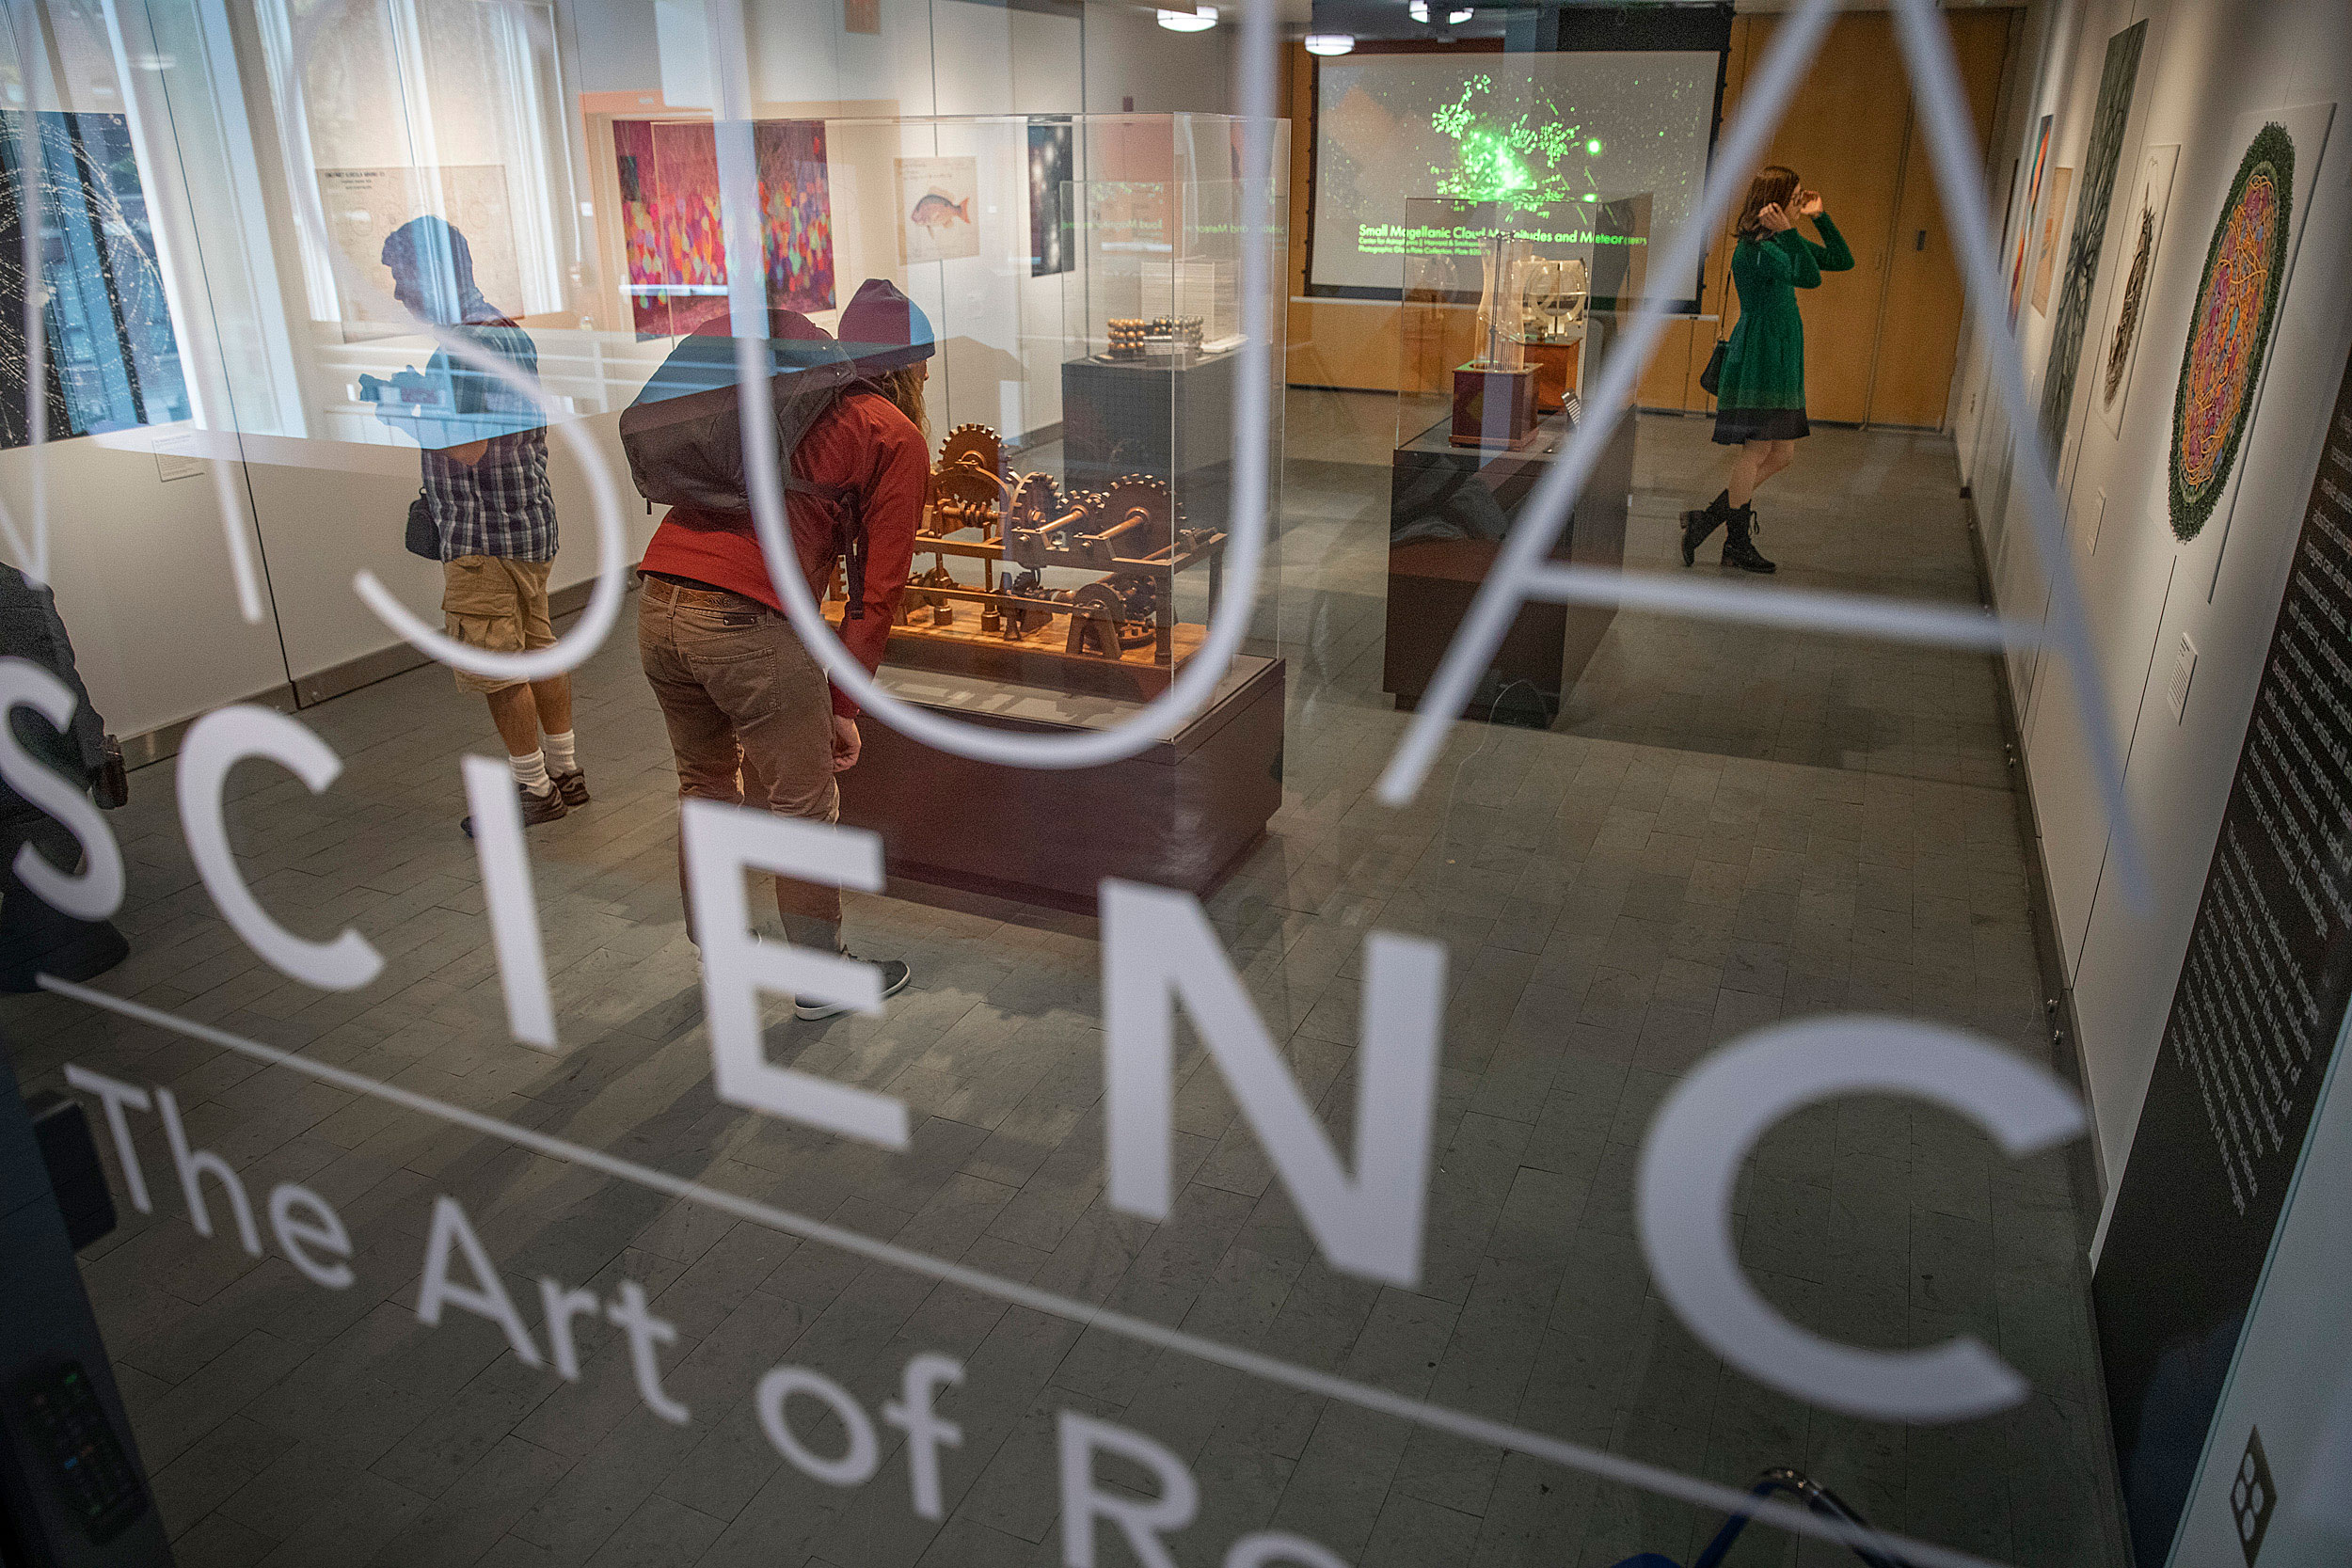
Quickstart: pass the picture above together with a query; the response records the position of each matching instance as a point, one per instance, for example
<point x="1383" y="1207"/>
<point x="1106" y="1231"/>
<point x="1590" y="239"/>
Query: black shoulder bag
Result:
<point x="1712" y="377"/>
<point x="423" y="537"/>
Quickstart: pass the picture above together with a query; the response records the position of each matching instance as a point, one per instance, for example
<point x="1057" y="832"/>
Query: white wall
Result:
<point x="2206" y="63"/>
<point x="1131" y="56"/>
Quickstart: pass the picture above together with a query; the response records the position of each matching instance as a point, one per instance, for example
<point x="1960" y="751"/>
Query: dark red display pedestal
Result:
<point x="1181" y="813"/>
<point x="1494" y="408"/>
<point x="1449" y="510"/>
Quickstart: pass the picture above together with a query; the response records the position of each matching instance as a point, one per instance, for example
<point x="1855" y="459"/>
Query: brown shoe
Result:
<point x="536" y="809"/>
<point x="573" y="786"/>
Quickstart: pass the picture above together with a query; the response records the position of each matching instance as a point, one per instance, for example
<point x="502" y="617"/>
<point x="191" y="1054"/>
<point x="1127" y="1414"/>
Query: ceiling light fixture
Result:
<point x="1330" y="43"/>
<point x="1198" y="20"/>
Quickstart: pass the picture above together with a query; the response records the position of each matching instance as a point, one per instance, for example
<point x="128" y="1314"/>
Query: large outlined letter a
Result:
<point x="1158" y="947"/>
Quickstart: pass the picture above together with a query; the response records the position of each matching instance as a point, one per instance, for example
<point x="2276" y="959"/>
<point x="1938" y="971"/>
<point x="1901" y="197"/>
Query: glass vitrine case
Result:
<point x="1504" y="329"/>
<point x="1083" y="288"/>
<point x="1083" y="278"/>
<point x="1495" y="318"/>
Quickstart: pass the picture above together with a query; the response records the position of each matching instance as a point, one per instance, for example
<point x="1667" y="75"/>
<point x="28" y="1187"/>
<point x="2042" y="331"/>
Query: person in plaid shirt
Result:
<point x="485" y="480"/>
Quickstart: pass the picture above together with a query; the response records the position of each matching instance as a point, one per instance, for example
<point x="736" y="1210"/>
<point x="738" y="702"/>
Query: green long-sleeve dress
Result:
<point x="1760" y="396"/>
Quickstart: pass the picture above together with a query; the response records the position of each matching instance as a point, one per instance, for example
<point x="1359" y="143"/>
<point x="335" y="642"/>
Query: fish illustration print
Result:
<point x="936" y="212"/>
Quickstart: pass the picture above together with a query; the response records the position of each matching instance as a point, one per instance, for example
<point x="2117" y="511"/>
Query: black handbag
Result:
<point x="1712" y="376"/>
<point x="423" y="538"/>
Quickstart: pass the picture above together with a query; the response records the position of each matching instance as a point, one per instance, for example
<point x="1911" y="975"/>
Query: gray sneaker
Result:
<point x="540" y="806"/>
<point x="894" y="977"/>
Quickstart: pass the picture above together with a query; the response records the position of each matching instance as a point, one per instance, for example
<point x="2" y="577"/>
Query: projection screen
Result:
<point x="1549" y="137"/>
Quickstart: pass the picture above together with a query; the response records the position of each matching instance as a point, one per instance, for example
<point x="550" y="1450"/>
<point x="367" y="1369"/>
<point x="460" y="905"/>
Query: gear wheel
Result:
<point x="1036" y="502"/>
<point x="973" y="445"/>
<point x="1109" y="617"/>
<point x="1133" y="519"/>
<point x="965" y="498"/>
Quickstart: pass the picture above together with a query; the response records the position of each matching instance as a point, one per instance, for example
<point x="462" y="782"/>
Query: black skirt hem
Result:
<point x="1737" y="426"/>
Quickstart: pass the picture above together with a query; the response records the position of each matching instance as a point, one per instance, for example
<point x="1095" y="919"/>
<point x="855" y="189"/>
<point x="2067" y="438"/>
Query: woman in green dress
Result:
<point x="1760" y="397"/>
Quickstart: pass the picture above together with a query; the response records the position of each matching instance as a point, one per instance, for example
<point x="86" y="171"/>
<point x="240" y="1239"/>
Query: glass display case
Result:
<point x="1084" y="289"/>
<point x="1503" y="326"/>
<point x="1082" y="276"/>
<point x="1495" y="316"/>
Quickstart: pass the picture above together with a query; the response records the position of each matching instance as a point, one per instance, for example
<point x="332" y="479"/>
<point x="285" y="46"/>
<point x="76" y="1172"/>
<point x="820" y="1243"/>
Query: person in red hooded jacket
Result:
<point x="751" y="717"/>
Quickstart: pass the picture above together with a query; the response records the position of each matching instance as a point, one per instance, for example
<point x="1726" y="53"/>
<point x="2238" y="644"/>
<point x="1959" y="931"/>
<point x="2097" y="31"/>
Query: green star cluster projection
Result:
<point x="1530" y="161"/>
<point x="1544" y="143"/>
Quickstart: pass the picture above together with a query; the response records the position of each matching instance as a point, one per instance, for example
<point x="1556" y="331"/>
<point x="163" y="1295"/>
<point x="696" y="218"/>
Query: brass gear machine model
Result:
<point x="1130" y="539"/>
<point x="1134" y="519"/>
<point x="968" y="488"/>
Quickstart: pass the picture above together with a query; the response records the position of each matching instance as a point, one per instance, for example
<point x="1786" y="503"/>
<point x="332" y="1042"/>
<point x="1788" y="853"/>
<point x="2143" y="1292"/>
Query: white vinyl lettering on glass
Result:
<point x="1158" y="948"/>
<point x="1690" y="1161"/>
<point x="216" y="743"/>
<point x="722" y="841"/>
<point x="96" y="892"/>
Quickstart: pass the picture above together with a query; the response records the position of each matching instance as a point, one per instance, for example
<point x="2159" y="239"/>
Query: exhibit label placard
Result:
<point x="2256" y="1019"/>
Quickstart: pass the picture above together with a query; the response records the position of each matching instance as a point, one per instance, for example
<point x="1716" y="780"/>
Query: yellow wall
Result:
<point x="1849" y="135"/>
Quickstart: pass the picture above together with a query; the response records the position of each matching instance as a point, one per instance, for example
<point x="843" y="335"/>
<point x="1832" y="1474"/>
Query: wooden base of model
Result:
<point x="1041" y="658"/>
<point x="1115" y="635"/>
<point x="1493" y="408"/>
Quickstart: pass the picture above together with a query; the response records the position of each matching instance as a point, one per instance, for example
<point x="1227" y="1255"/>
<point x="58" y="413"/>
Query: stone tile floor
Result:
<point x="1726" y="828"/>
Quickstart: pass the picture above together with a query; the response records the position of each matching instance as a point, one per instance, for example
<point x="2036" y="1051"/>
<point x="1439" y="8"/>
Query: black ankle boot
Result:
<point x="1696" y="526"/>
<point x="1739" y="546"/>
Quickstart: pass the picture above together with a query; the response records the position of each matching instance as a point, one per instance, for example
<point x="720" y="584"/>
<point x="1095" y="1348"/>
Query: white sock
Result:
<point x="559" y="748"/>
<point x="530" y="771"/>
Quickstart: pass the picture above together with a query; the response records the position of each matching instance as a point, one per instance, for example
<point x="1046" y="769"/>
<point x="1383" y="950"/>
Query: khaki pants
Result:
<point x="750" y="715"/>
<point x="488" y="601"/>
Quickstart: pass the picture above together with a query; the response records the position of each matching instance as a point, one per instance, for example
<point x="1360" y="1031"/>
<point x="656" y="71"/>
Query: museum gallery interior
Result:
<point x="1037" y="783"/>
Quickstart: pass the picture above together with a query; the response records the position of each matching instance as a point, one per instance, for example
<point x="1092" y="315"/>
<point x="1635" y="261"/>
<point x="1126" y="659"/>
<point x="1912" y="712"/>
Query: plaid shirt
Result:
<point x="501" y="505"/>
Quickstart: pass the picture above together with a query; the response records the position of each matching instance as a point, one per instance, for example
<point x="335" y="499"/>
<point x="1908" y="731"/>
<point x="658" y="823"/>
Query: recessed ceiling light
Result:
<point x="1198" y="20"/>
<point x="1330" y="43"/>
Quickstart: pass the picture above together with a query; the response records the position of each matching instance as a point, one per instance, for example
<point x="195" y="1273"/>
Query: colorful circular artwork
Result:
<point x="2237" y="305"/>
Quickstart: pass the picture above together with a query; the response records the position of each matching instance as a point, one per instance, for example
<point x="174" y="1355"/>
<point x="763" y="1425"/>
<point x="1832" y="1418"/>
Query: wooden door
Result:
<point x="1916" y="344"/>
<point x="1880" y="340"/>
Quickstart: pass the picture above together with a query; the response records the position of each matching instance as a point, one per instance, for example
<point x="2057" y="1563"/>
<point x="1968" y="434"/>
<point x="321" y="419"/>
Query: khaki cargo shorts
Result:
<point x="492" y="603"/>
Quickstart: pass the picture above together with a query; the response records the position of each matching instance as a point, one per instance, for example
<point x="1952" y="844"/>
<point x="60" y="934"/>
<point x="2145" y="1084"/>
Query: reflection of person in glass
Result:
<point x="35" y="938"/>
<point x="485" y="480"/>
<point x="750" y="714"/>
<point x="1759" y="400"/>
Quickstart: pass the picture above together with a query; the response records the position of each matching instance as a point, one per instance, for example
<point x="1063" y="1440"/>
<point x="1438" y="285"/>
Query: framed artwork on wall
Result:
<point x="362" y="206"/>
<point x="113" y="359"/>
<point x="796" y="209"/>
<point x="675" y="239"/>
<point x="2230" y="326"/>
<point x="2143" y="239"/>
<point x="937" y="202"/>
<point x="2025" y="224"/>
<point x="2234" y="316"/>
<point x="1053" y="246"/>
<point x="2110" y="118"/>
<point x="2046" y="246"/>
